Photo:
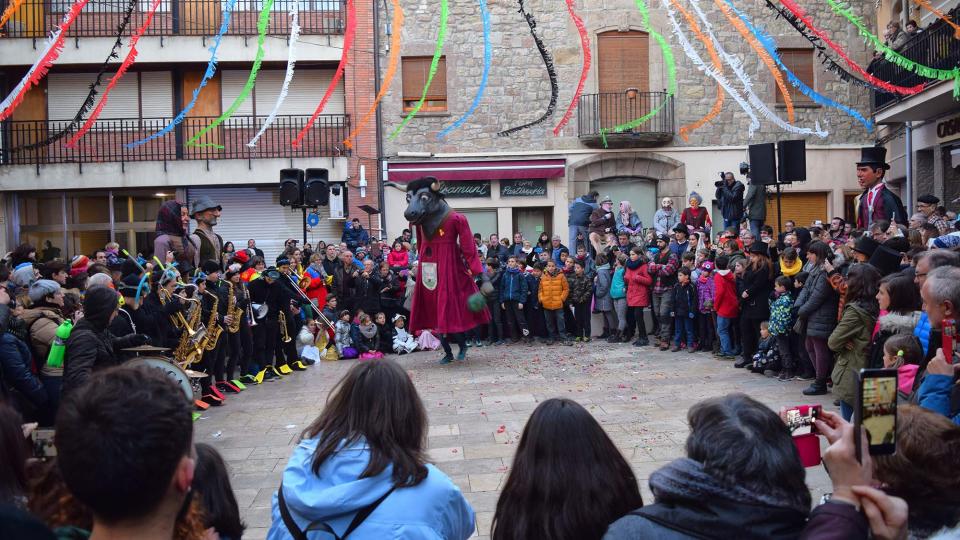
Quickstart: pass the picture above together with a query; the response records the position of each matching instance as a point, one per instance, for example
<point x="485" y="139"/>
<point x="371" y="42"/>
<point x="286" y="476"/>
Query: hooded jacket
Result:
<point x="817" y="303"/>
<point x="855" y="327"/>
<point x="726" y="302"/>
<point x="580" y="210"/>
<point x="889" y="325"/>
<point x="43" y="323"/>
<point x="513" y="286"/>
<point x="554" y="290"/>
<point x="601" y="298"/>
<point x="435" y="509"/>
<point x="638" y="281"/>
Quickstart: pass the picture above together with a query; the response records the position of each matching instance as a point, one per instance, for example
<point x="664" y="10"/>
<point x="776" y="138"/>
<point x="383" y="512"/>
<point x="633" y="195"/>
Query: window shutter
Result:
<point x="800" y="62"/>
<point x="156" y="94"/>
<point x="231" y="84"/>
<point x="622" y="60"/>
<point x="415" y="71"/>
<point x="66" y="92"/>
<point x="303" y="95"/>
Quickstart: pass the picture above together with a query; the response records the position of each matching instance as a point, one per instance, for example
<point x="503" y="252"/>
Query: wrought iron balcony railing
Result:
<point x="105" y="142"/>
<point x="935" y="47"/>
<point x="605" y="111"/>
<point x="101" y="18"/>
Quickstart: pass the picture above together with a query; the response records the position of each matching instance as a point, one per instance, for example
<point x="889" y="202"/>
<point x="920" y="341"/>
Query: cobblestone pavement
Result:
<point x="478" y="409"/>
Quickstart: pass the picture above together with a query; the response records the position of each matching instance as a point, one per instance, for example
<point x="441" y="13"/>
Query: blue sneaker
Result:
<point x="446" y="359"/>
<point x="462" y="355"/>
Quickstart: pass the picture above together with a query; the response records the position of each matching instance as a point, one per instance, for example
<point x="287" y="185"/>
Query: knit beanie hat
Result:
<point x="42" y="288"/>
<point x="23" y="274"/>
<point x="79" y="264"/>
<point x="99" y="304"/>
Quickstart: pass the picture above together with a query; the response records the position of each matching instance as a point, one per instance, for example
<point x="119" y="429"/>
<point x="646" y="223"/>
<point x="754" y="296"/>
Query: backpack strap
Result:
<point x="298" y="534"/>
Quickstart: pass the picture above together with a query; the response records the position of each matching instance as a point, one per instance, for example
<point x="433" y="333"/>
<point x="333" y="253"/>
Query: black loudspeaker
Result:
<point x="316" y="188"/>
<point x="763" y="165"/>
<point x="792" y="161"/>
<point x="291" y="187"/>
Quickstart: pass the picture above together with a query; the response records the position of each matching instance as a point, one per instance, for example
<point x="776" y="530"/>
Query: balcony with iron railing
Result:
<point x="935" y="47"/>
<point x="599" y="114"/>
<point x="107" y="139"/>
<point x="101" y="18"/>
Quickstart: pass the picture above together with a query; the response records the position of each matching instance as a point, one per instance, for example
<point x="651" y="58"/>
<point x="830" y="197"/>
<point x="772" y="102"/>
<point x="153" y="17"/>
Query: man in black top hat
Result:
<point x="876" y="202"/>
<point x="864" y="248"/>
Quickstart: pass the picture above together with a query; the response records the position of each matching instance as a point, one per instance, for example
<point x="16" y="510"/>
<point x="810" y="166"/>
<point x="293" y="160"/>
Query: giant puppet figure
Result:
<point x="445" y="299"/>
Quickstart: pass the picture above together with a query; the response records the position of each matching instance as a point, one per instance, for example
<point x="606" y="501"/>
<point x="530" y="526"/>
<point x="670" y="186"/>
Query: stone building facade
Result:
<point x="519" y="90"/>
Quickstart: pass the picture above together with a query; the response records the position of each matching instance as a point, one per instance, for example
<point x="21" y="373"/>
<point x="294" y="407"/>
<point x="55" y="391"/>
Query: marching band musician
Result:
<point x="156" y="315"/>
<point x="265" y="301"/>
<point x="314" y="284"/>
<point x="128" y="320"/>
<point x="290" y="303"/>
<point x="214" y="361"/>
<point x="241" y="341"/>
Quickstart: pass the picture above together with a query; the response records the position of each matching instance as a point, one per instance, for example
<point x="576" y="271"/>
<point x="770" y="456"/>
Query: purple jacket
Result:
<point x="705" y="294"/>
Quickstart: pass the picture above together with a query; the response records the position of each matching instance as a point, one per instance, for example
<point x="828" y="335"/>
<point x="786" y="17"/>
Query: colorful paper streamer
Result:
<point x="771" y="47"/>
<point x="392" y="63"/>
<point x="668" y="60"/>
<point x="487" y="60"/>
<point x="262" y="24"/>
<point x="798" y="12"/>
<point x="715" y="72"/>
<point x="893" y="56"/>
<point x="717" y="67"/>
<point x="43" y="63"/>
<point x="551" y="73"/>
<point x="737" y="66"/>
<point x="11" y="9"/>
<point x="584" y="69"/>
<point x="207" y="75"/>
<point x="92" y="93"/>
<point x="434" y="65"/>
<point x="124" y="66"/>
<point x="287" y="76"/>
<point x="929" y="7"/>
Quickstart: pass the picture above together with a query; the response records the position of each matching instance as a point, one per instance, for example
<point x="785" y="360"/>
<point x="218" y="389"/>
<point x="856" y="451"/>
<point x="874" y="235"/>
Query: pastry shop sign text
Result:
<point x="523" y="188"/>
<point x="465" y="189"/>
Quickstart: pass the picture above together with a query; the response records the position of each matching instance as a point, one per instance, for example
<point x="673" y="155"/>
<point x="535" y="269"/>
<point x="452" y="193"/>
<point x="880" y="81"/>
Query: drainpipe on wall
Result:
<point x="910" y="204"/>
<point x="381" y="201"/>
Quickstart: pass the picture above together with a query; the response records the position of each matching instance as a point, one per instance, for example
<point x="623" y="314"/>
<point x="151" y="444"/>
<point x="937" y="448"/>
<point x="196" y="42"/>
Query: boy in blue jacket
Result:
<point x="495" y="333"/>
<point x="513" y="293"/>
<point x="531" y="308"/>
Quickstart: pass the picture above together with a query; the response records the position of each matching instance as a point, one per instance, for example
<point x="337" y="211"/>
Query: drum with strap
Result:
<point x="187" y="380"/>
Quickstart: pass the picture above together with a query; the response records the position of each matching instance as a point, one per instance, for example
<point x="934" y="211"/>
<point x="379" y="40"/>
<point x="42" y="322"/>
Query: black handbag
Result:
<point x="298" y="534"/>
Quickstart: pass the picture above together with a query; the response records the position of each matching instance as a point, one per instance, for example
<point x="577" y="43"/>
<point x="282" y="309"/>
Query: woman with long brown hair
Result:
<point x="754" y="288"/>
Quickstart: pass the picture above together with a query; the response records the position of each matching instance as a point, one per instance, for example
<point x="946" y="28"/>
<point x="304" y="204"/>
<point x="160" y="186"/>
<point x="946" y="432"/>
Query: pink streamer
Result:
<point x="584" y="71"/>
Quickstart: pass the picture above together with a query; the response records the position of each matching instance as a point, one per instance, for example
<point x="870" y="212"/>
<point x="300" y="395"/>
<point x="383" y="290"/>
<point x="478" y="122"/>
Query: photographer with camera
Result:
<point x="730" y="198"/>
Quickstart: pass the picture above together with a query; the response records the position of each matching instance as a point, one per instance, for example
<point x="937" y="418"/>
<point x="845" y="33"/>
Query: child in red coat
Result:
<point x="638" y="281"/>
<point x="398" y="259"/>
<point x="726" y="305"/>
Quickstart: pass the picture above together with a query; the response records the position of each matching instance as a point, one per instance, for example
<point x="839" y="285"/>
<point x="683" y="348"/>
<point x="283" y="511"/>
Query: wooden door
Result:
<point x="29" y="125"/>
<point x="204" y="111"/>
<point x="802" y="208"/>
<point x="622" y="62"/>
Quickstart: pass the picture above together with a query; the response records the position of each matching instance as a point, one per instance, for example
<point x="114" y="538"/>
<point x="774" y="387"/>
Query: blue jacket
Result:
<point x="513" y="286"/>
<point x="533" y="291"/>
<point x="432" y="510"/>
<point x="618" y="289"/>
<point x="922" y="331"/>
<point x="354" y="237"/>
<point x="15" y="361"/>
<point x="580" y="210"/>
<point x="934" y="395"/>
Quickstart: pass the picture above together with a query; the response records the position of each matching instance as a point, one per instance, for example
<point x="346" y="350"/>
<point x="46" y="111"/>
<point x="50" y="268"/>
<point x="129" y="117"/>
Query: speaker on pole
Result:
<point x="792" y="161"/>
<point x="316" y="188"/>
<point x="291" y="187"/>
<point x="763" y="165"/>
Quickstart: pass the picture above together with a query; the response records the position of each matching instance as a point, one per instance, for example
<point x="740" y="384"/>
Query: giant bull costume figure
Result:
<point x="445" y="299"/>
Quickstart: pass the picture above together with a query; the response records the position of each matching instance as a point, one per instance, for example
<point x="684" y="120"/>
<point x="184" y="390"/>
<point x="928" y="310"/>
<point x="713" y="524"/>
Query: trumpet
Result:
<point x="282" y="320"/>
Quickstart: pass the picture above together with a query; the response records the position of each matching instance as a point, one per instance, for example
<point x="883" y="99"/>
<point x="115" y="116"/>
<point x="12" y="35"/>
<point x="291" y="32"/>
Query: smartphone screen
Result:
<point x="877" y="411"/>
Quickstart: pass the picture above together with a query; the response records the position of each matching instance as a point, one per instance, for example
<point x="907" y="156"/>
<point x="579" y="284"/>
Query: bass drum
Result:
<point x="171" y="369"/>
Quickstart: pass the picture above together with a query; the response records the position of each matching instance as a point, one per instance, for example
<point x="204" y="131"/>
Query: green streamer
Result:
<point x="262" y="23"/>
<point x="434" y="64"/>
<point x="895" y="57"/>
<point x="671" y="77"/>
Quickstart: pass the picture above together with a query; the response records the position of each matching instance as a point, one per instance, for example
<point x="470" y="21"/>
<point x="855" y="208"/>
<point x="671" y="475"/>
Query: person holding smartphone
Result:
<point x="941" y="299"/>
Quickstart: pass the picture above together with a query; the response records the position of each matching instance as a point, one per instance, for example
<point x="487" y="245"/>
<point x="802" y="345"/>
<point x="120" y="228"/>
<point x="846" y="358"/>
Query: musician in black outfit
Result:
<point x="214" y="361"/>
<point x="264" y="291"/>
<point x="290" y="301"/>
<point x="157" y="317"/>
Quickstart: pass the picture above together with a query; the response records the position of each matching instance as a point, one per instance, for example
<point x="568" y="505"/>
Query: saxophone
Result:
<point x="233" y="310"/>
<point x="213" y="329"/>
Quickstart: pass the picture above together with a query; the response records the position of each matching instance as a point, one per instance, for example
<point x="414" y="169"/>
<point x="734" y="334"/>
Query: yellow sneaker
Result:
<point x="259" y="376"/>
<point x="285" y="369"/>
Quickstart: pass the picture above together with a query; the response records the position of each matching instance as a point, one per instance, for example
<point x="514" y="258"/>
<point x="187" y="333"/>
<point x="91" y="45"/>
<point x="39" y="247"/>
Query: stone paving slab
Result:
<point x="478" y="409"/>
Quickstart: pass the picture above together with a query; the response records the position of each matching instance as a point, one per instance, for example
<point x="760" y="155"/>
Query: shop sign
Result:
<point x="466" y="189"/>
<point x="948" y="130"/>
<point x="523" y="188"/>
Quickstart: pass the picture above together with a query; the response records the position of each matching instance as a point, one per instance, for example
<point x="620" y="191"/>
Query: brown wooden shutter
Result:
<point x="415" y="71"/>
<point x="802" y="208"/>
<point x="800" y="62"/>
<point x="622" y="61"/>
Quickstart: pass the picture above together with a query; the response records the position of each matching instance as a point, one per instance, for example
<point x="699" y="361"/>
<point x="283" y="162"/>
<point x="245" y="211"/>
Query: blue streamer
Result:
<point x="771" y="48"/>
<point x="211" y="71"/>
<point x="487" y="58"/>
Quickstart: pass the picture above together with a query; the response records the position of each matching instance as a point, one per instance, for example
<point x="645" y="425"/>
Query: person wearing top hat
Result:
<point x="864" y="248"/>
<point x="927" y="205"/>
<point x="885" y="260"/>
<point x="209" y="245"/>
<point x="603" y="225"/>
<point x="876" y="202"/>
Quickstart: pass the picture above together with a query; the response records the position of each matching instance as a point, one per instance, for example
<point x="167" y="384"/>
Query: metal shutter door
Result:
<point x="255" y="212"/>
<point x="66" y="92"/>
<point x="156" y="94"/>
<point x="306" y="89"/>
<point x="802" y="208"/>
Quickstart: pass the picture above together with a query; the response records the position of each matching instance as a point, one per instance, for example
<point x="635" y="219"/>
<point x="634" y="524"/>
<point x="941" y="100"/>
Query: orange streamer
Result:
<point x="11" y="9"/>
<point x="717" y="64"/>
<point x="925" y="5"/>
<point x="392" y="63"/>
<point x="764" y="56"/>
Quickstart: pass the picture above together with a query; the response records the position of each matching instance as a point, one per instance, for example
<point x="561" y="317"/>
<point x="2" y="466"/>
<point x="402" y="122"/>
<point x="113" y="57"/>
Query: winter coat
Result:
<point x="533" y="291"/>
<point x="361" y="342"/>
<point x="368" y="293"/>
<point x="355" y="236"/>
<point x="756" y="202"/>
<point x="730" y="199"/>
<point x="17" y="377"/>
<point x="589" y="267"/>
<point x="398" y="259"/>
<point x="855" y="326"/>
<point x="940" y="393"/>
<point x="664" y="221"/>
<point x="726" y="302"/>
<point x="43" y="323"/>
<point x="554" y="290"/>
<point x="632" y="226"/>
<point x="342" y="337"/>
<point x="434" y="509"/>
<point x="638" y="283"/>
<point x="618" y="285"/>
<point x="580" y="210"/>
<point x="758" y="285"/>
<point x="601" y="298"/>
<point x="817" y="304"/>
<point x="389" y="298"/>
<point x="91" y="349"/>
<point x="781" y="315"/>
<point x="581" y="288"/>
<point x="684" y="300"/>
<point x="706" y="292"/>
<point x="601" y="224"/>
<point x="890" y="324"/>
<point x="513" y="286"/>
<point x="663" y="268"/>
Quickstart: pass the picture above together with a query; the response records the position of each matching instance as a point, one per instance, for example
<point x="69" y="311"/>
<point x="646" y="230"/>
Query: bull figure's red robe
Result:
<point x="444" y="282"/>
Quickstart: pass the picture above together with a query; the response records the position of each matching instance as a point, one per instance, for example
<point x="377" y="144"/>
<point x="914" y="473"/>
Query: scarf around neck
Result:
<point x="633" y="265"/>
<point x="368" y="330"/>
<point x="790" y="270"/>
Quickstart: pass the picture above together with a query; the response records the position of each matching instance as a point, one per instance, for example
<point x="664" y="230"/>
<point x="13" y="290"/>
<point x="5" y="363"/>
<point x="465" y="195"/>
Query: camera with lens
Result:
<point x="721" y="181"/>
<point x="744" y="168"/>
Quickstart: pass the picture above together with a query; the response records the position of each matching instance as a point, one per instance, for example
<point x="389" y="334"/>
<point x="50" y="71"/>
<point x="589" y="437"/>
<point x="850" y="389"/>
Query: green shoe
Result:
<point x="238" y="384"/>
<point x="196" y="416"/>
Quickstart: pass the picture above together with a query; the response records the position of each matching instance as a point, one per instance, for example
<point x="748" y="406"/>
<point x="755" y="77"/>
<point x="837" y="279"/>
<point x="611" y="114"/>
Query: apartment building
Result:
<point x="77" y="198"/>
<point x="524" y="181"/>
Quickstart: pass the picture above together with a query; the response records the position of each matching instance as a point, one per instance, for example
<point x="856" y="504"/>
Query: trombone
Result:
<point x="323" y="318"/>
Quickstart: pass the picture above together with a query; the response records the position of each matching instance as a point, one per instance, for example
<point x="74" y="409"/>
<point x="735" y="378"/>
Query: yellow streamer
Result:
<point x="717" y="64"/>
<point x="11" y="9"/>
<point x="926" y="5"/>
